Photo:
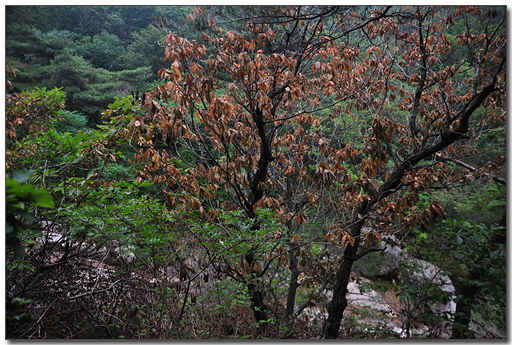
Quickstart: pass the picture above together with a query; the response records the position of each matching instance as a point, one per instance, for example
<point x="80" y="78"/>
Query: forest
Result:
<point x="255" y="172"/>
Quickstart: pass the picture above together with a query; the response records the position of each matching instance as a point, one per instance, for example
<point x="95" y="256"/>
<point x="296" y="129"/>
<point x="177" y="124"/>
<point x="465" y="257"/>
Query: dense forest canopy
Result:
<point x="95" y="53"/>
<point x="236" y="172"/>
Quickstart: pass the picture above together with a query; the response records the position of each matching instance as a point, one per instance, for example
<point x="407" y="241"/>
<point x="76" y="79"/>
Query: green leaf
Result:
<point x="27" y="215"/>
<point x="9" y="228"/>
<point x="43" y="198"/>
<point x="10" y="183"/>
<point x="23" y="176"/>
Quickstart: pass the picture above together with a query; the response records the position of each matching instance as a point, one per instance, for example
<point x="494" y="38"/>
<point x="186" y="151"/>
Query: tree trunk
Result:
<point x="339" y="298"/>
<point x="501" y="236"/>
<point x="460" y="328"/>
<point x="257" y="302"/>
<point x="257" y="299"/>
<point x="292" y="290"/>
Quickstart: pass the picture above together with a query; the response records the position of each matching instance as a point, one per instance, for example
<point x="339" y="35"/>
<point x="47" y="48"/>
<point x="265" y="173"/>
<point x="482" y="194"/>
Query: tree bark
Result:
<point x="294" y="284"/>
<point x="460" y="328"/>
<point x="339" y="299"/>
<point x="257" y="298"/>
<point x="257" y="302"/>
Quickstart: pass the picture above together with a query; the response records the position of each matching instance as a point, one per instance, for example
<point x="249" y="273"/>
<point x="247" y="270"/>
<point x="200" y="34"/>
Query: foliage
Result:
<point x="88" y="89"/>
<point x="251" y="140"/>
<point x="72" y="122"/>
<point x="103" y="50"/>
<point x="117" y="172"/>
<point x="18" y="197"/>
<point x="474" y="260"/>
<point x="31" y="111"/>
<point x="488" y="198"/>
<point x="31" y="49"/>
<point x="145" y="50"/>
<point x="81" y="62"/>
<point x="120" y="21"/>
<point x="280" y="146"/>
<point x="115" y="212"/>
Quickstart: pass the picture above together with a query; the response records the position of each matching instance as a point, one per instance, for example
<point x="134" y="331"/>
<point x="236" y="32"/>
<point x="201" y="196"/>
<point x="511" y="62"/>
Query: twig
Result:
<point x="93" y="292"/>
<point x="40" y="318"/>
<point x="188" y="289"/>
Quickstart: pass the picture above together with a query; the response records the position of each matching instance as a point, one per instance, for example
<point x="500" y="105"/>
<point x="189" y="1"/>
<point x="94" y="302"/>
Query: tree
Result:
<point x="248" y="142"/>
<point x="289" y="143"/>
<point x="51" y="251"/>
<point x="145" y="49"/>
<point x="440" y="114"/>
<point x="88" y="89"/>
<point x="103" y="50"/>
<point x="56" y="47"/>
<point x="28" y="49"/>
<point x="254" y="143"/>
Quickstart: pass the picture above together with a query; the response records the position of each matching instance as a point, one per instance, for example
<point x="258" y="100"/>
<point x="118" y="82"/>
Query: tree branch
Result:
<point x="368" y="251"/>
<point x="469" y="167"/>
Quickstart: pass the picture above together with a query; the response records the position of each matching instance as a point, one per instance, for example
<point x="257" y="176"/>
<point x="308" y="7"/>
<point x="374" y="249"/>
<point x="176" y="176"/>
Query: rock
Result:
<point x="370" y="298"/>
